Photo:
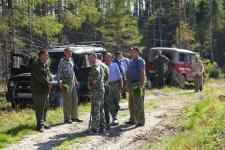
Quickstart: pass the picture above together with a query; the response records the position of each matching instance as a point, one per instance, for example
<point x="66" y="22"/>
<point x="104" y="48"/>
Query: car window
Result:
<point x="18" y="62"/>
<point x="83" y="62"/>
<point x="187" y="59"/>
<point x="181" y="57"/>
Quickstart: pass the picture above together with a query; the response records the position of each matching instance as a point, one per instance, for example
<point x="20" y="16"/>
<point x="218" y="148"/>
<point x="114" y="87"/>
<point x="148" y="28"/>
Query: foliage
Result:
<point x="204" y="125"/>
<point x="211" y="69"/>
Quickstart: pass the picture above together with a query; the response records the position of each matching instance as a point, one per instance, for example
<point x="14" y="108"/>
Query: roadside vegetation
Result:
<point x="15" y="124"/>
<point x="200" y="127"/>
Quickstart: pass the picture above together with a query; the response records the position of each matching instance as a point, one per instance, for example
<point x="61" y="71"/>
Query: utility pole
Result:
<point x="30" y="26"/>
<point x="160" y="23"/>
<point x="11" y="48"/>
<point x="179" y="26"/>
<point x="153" y="24"/>
<point x="210" y="30"/>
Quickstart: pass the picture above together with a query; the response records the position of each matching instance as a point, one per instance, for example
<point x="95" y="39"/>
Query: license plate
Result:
<point x="24" y="95"/>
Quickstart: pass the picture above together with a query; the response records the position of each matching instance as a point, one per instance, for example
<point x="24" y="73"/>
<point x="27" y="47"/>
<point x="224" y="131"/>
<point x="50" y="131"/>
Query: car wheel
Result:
<point x="181" y="80"/>
<point x="13" y="104"/>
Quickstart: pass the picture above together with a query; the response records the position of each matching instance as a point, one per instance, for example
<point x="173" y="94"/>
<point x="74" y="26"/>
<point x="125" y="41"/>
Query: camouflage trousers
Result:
<point x="198" y="80"/>
<point x="136" y="105"/>
<point x="41" y="102"/>
<point x="106" y="104"/>
<point x="114" y="99"/>
<point x="97" y="109"/>
<point x="70" y="104"/>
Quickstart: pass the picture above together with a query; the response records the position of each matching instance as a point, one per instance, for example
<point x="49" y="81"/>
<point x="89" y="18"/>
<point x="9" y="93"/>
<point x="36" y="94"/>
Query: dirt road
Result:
<point x="120" y="137"/>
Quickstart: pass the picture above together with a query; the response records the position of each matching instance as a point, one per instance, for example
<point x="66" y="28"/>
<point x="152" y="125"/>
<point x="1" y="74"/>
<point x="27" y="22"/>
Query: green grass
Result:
<point x="15" y="125"/>
<point x="171" y="89"/>
<point x="204" y="128"/>
<point x="73" y="143"/>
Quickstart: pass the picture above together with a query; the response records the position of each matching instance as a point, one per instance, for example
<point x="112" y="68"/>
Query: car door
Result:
<point x="19" y="64"/>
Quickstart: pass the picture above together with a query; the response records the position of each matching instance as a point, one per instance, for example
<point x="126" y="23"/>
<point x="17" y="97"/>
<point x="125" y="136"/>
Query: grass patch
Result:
<point x="15" y="125"/>
<point x="204" y="128"/>
<point x="171" y="89"/>
<point x="73" y="143"/>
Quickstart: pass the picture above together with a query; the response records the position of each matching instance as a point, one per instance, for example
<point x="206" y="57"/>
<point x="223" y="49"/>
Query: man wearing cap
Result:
<point x="198" y="70"/>
<point x="160" y="62"/>
<point x="40" y="88"/>
<point x="136" y="77"/>
<point x="115" y="85"/>
<point x="122" y="63"/>
<point x="66" y="73"/>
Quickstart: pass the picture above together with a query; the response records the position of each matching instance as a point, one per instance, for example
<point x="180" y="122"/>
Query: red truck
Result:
<point x="180" y="65"/>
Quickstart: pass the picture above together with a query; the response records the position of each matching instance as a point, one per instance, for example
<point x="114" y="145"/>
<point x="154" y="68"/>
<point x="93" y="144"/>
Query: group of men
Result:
<point x="107" y="79"/>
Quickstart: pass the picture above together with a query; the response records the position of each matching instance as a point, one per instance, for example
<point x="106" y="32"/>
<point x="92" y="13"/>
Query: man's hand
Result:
<point x="49" y="85"/>
<point x="77" y="83"/>
<point x="60" y="86"/>
<point x="95" y="82"/>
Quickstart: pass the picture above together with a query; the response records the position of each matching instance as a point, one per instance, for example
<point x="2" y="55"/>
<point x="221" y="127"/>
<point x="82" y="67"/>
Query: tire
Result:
<point x="181" y="81"/>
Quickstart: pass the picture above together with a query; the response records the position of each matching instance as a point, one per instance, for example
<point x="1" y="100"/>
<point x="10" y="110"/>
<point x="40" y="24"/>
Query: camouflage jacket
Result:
<point x="66" y="70"/>
<point x="96" y="73"/>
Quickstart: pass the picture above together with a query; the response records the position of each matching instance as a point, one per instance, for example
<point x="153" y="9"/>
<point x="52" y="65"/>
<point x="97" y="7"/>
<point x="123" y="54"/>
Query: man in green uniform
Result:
<point x="40" y="88"/>
<point x="69" y="93"/>
<point x="106" y="94"/>
<point x="160" y="62"/>
<point x="96" y="84"/>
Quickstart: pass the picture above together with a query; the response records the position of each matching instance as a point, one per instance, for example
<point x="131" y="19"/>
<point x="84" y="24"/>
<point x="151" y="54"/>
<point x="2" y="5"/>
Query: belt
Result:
<point x="114" y="82"/>
<point x="135" y="81"/>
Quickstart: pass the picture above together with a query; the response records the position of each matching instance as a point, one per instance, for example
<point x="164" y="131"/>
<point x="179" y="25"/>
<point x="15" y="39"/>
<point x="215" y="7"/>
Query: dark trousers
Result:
<point x="106" y="103"/>
<point x="41" y="102"/>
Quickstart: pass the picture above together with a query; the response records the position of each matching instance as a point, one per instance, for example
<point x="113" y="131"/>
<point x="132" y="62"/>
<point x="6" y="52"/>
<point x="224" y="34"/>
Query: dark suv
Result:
<point x="19" y="84"/>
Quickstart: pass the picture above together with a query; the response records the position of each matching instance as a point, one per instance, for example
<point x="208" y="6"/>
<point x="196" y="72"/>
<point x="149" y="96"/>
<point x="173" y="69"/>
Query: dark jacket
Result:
<point x="40" y="75"/>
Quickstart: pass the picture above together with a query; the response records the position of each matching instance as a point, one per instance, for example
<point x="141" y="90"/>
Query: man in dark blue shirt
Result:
<point x="136" y="77"/>
<point x="122" y="63"/>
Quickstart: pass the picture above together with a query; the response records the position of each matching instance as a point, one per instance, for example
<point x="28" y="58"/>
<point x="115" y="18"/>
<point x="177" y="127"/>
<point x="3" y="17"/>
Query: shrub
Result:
<point x="211" y="69"/>
<point x="215" y="73"/>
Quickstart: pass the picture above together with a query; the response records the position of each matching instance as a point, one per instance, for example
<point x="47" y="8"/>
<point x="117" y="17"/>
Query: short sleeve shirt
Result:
<point x="66" y="68"/>
<point x="134" y="68"/>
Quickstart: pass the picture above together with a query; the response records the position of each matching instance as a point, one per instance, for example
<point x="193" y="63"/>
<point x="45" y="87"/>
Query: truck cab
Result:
<point x="180" y="64"/>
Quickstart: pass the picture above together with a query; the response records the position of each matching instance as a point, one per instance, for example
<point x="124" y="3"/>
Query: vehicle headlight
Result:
<point x="12" y="83"/>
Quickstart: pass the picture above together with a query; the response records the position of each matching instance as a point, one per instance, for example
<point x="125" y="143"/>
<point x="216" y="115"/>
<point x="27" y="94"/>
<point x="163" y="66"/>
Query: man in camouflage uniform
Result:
<point x="198" y="70"/>
<point x="68" y="86"/>
<point x="96" y="84"/>
<point x="40" y="88"/>
<point x="106" y="94"/>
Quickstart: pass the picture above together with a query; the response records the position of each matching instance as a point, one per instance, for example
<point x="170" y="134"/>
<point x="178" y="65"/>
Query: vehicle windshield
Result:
<point x="54" y="58"/>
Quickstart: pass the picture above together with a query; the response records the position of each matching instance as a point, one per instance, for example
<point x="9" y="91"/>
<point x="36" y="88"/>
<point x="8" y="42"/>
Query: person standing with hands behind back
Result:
<point x="66" y="73"/>
<point x="136" y="77"/>
<point x="40" y="88"/>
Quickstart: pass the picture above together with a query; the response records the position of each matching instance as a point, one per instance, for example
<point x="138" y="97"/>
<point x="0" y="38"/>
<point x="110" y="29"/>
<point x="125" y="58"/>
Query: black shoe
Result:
<point x="77" y="120"/>
<point x="40" y="129"/>
<point x="139" y="125"/>
<point x="93" y="132"/>
<point x="102" y="131"/>
<point x="68" y="121"/>
<point x="130" y="123"/>
<point x="115" y="123"/>
<point x="107" y="127"/>
<point x="47" y="127"/>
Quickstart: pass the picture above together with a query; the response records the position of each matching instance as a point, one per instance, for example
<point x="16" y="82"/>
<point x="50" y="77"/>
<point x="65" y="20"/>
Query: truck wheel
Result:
<point x="181" y="80"/>
<point x="13" y="104"/>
